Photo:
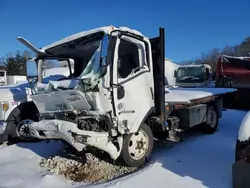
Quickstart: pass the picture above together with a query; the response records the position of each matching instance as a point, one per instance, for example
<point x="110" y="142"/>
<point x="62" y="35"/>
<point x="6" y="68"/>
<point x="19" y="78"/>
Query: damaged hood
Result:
<point x="62" y="101"/>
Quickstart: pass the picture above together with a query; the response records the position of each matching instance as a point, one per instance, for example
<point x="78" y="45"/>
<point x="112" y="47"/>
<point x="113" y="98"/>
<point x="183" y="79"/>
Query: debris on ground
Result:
<point x="80" y="167"/>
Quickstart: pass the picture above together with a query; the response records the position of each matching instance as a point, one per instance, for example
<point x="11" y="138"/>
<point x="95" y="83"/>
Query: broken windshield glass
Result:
<point x="92" y="72"/>
<point x="87" y="80"/>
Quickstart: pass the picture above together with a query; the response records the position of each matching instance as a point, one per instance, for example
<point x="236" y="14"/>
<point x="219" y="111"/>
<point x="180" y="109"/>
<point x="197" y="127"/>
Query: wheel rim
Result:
<point x="23" y="130"/>
<point x="212" y="118"/>
<point x="138" y="145"/>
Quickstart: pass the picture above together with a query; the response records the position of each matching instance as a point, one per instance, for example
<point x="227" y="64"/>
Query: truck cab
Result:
<point x="194" y="76"/>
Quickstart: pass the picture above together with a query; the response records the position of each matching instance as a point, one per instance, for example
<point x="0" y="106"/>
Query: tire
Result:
<point x="211" y="125"/>
<point x="19" y="121"/>
<point x="130" y="154"/>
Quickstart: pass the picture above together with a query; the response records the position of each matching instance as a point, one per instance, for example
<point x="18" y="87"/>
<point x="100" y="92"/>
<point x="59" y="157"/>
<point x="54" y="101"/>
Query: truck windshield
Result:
<point x="86" y="69"/>
<point x="190" y="74"/>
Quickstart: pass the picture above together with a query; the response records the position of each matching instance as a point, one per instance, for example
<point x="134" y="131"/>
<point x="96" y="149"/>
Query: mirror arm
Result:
<point x="117" y="85"/>
<point x="70" y="70"/>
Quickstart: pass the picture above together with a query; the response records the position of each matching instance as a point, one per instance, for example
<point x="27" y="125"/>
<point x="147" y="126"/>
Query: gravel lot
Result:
<point x="88" y="167"/>
<point x="80" y="167"/>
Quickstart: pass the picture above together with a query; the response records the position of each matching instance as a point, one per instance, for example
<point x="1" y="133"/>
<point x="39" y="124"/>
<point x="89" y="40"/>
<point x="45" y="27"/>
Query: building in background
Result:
<point x="3" y="75"/>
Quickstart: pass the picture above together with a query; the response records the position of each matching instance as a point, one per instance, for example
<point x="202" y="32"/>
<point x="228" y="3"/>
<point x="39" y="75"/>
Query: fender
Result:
<point x="140" y="120"/>
<point x="14" y="104"/>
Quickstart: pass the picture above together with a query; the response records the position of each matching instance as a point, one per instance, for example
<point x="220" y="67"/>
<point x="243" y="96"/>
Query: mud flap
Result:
<point x="241" y="174"/>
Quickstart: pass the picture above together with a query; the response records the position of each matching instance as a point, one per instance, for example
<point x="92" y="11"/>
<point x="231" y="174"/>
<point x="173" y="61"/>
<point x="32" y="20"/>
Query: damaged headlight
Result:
<point x="4" y="106"/>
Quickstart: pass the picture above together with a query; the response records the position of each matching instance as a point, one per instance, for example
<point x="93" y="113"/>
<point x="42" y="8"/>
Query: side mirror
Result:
<point x="104" y="50"/>
<point x="31" y="70"/>
<point x="175" y="73"/>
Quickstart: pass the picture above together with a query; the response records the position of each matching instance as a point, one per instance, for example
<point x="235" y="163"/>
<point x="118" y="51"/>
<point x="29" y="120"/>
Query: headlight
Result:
<point x="5" y="106"/>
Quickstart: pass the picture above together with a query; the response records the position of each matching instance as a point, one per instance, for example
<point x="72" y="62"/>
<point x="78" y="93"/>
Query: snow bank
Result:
<point x="19" y="166"/>
<point x="201" y="161"/>
<point x="244" y="131"/>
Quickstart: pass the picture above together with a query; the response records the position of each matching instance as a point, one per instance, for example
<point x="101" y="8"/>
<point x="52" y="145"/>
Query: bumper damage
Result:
<point x="79" y="139"/>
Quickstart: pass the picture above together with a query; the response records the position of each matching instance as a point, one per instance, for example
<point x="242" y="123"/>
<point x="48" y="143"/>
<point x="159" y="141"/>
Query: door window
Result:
<point x="128" y="58"/>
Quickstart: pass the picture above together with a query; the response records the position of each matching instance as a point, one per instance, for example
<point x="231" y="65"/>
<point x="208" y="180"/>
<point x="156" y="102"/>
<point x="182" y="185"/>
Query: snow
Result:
<point x="58" y="71"/>
<point x="123" y="28"/>
<point x="185" y="95"/>
<point x="19" y="166"/>
<point x="198" y="162"/>
<point x="192" y="65"/>
<point x="54" y="85"/>
<point x="105" y="29"/>
<point x="20" y="90"/>
<point x="244" y="131"/>
<point x="234" y="57"/>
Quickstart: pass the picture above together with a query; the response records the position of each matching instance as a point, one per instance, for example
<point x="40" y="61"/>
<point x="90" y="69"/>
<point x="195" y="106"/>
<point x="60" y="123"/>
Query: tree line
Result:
<point x="14" y="63"/>
<point x="211" y="57"/>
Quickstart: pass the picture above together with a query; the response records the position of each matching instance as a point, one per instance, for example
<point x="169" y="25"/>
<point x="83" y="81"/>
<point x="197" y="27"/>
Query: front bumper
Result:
<point x="3" y="127"/>
<point x="79" y="139"/>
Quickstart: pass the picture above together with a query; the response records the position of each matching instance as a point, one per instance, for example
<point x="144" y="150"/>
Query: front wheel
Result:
<point x="137" y="147"/>
<point x="19" y="122"/>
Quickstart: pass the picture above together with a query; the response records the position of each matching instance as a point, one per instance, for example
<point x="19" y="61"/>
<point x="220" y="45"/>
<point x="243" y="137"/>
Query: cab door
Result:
<point x="133" y="83"/>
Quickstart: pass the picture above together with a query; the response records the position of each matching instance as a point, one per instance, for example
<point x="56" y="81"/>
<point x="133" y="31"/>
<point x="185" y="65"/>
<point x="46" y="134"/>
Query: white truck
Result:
<point x="17" y="110"/>
<point x="194" y="76"/>
<point x="116" y="99"/>
<point x="15" y="79"/>
<point x="3" y="76"/>
<point x="170" y="68"/>
<point x="9" y="80"/>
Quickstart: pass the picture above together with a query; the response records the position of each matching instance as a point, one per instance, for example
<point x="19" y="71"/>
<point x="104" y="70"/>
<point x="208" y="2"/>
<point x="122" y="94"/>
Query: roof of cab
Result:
<point x="105" y="30"/>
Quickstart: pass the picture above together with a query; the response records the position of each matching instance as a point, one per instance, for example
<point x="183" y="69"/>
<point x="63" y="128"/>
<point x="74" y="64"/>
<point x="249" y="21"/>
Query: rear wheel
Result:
<point x="212" y="120"/>
<point x="137" y="147"/>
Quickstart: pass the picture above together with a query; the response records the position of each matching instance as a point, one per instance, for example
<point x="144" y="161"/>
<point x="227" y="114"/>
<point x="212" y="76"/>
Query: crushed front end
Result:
<point x="78" y="138"/>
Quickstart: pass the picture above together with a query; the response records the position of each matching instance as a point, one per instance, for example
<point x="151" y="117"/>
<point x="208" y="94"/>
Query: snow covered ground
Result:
<point x="200" y="161"/>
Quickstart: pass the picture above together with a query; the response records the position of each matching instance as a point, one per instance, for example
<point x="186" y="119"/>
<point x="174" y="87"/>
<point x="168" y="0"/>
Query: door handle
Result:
<point x="137" y="69"/>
